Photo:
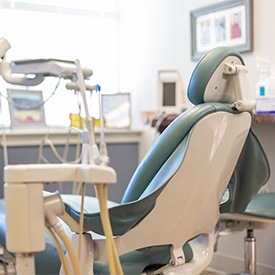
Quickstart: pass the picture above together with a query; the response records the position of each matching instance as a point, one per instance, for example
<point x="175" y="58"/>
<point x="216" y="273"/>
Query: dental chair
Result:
<point x="165" y="222"/>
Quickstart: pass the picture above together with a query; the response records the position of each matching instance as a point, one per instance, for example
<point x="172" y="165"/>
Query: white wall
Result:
<point x="155" y="35"/>
<point x="84" y="30"/>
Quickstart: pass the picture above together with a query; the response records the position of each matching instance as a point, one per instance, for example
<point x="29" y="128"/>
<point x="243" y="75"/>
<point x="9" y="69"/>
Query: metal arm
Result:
<point x="244" y="100"/>
<point x="32" y="72"/>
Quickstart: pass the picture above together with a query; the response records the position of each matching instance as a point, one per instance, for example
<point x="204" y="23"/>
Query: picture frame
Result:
<point x="228" y="23"/>
<point x="26" y="108"/>
<point x="117" y="110"/>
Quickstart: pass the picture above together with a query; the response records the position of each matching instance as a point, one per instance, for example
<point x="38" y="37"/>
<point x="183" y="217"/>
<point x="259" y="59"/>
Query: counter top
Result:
<point x="34" y="136"/>
<point x="60" y="135"/>
<point x="264" y="118"/>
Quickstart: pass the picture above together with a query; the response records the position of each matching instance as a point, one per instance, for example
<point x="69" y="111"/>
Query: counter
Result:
<point x="264" y="119"/>
<point x="23" y="148"/>
<point x="33" y="137"/>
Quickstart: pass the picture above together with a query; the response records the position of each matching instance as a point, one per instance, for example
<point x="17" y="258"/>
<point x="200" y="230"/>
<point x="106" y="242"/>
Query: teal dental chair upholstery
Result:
<point x="166" y="219"/>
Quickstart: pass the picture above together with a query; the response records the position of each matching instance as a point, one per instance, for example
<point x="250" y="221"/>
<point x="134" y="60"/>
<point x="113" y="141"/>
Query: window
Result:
<point x="84" y="29"/>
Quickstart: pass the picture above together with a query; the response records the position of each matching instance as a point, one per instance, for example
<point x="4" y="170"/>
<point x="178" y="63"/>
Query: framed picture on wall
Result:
<point x="26" y="108"/>
<point x="227" y="23"/>
<point x="117" y="110"/>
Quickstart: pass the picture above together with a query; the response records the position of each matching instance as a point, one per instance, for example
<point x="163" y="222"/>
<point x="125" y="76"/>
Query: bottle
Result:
<point x="263" y="64"/>
<point x="270" y="89"/>
<point x="270" y="83"/>
<point x="264" y="72"/>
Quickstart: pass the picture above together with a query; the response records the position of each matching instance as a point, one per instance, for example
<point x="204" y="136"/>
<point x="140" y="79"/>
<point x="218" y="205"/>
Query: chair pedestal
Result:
<point x="250" y="252"/>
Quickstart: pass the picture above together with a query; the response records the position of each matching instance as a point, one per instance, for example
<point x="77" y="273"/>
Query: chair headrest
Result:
<point x="214" y="81"/>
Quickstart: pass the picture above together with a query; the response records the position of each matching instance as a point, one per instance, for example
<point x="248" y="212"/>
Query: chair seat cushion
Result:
<point x="124" y="216"/>
<point x="262" y="205"/>
<point x="132" y="263"/>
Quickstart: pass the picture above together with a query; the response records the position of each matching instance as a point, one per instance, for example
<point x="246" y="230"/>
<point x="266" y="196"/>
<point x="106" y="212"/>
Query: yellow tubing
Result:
<point x="60" y="251"/>
<point x="81" y="219"/>
<point x="74" y="259"/>
<point x="114" y="263"/>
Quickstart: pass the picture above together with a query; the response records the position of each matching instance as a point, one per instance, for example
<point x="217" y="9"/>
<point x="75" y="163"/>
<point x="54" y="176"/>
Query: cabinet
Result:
<point x="23" y="148"/>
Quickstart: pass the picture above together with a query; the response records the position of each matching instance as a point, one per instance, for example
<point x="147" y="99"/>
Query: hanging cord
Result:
<point x="101" y="189"/>
<point x="59" y="250"/>
<point x="11" y="101"/>
<point x="69" y="246"/>
<point x="81" y="219"/>
<point x="53" y="207"/>
<point x="94" y="154"/>
<point x="67" y="144"/>
<point x="114" y="263"/>
<point x="5" y="147"/>
<point x="4" y="140"/>
<point x="77" y="155"/>
<point x="47" y="141"/>
<point x="104" y="158"/>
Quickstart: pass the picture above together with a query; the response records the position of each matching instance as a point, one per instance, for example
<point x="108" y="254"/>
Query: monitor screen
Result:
<point x="169" y="94"/>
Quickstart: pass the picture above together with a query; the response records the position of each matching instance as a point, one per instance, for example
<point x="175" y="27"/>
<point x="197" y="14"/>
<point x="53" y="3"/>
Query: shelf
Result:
<point x="33" y="137"/>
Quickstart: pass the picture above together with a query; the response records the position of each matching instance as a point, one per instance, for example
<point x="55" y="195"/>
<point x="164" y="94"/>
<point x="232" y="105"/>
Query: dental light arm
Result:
<point x="5" y="69"/>
<point x="4" y="47"/>
<point x="48" y="67"/>
<point x="32" y="72"/>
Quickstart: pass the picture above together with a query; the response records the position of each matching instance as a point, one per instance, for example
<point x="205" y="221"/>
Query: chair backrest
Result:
<point x="208" y="84"/>
<point x="195" y="177"/>
<point x="179" y="184"/>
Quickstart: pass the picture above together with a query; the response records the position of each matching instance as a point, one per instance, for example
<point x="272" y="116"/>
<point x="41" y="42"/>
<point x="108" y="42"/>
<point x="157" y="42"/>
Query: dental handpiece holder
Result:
<point x="25" y="205"/>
